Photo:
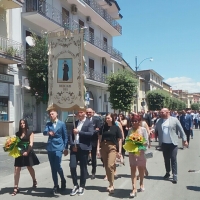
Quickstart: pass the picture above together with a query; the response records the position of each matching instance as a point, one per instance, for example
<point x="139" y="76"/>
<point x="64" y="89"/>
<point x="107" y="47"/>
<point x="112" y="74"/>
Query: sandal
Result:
<point x="15" y="191"/>
<point x="34" y="184"/>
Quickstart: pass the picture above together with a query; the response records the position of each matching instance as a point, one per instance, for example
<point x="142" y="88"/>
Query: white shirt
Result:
<point x="79" y="127"/>
<point x="165" y="129"/>
<point x="55" y="123"/>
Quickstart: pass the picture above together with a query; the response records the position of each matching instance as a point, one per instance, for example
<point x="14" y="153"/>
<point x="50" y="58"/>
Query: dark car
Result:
<point x="69" y="123"/>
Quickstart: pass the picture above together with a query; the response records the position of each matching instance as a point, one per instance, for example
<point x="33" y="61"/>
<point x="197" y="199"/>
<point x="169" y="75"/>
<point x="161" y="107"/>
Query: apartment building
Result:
<point x="11" y="54"/>
<point x="167" y="88"/>
<point x="98" y="18"/>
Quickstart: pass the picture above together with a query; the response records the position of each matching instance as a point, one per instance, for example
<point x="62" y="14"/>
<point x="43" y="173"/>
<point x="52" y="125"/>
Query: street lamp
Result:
<point x="136" y="69"/>
<point x="137" y="66"/>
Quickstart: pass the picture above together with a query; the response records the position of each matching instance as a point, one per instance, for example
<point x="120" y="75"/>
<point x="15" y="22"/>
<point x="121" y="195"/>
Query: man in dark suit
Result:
<point x="186" y="122"/>
<point x="57" y="142"/>
<point x="80" y="145"/>
<point x="97" y="125"/>
<point x="147" y="117"/>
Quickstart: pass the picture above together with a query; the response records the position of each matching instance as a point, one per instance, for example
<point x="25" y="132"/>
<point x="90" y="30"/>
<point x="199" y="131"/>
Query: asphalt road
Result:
<point x="187" y="188"/>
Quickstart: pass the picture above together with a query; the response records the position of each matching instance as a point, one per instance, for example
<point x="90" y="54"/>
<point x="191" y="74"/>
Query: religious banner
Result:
<point x="65" y="71"/>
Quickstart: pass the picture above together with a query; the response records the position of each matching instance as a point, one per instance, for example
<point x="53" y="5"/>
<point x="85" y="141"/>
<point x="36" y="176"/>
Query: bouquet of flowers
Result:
<point x="134" y="143"/>
<point x="14" y="145"/>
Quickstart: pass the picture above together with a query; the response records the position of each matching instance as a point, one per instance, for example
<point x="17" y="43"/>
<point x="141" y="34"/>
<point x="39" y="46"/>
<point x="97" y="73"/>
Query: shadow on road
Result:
<point x="194" y="188"/>
<point x="37" y="192"/>
<point x="119" y="193"/>
<point x="154" y="177"/>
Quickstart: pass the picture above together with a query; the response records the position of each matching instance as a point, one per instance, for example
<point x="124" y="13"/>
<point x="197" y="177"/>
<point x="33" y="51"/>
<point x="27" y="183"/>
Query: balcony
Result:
<point x="96" y="45"/>
<point x="101" y="45"/>
<point x="11" y="52"/>
<point x="98" y="15"/>
<point x="11" y="4"/>
<point x="95" y="76"/>
<point x="44" y="15"/>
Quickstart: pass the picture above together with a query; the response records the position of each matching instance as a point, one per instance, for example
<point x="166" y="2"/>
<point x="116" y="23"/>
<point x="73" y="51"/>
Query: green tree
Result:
<point x="158" y="99"/>
<point x="37" y="66"/>
<point x="195" y="106"/>
<point x="122" y="87"/>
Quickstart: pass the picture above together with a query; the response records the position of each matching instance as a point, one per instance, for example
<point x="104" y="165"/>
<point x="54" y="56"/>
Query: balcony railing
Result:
<point x="96" y="41"/>
<point x="45" y="9"/>
<point x="96" y="76"/>
<point x="11" y="48"/>
<point x="97" y="8"/>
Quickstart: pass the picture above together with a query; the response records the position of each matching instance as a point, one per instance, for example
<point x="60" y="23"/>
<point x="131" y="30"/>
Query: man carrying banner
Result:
<point x="80" y="145"/>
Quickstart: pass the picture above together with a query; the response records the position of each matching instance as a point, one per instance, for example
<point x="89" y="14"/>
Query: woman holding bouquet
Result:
<point x="27" y="158"/>
<point x="137" y="159"/>
<point x="109" y="141"/>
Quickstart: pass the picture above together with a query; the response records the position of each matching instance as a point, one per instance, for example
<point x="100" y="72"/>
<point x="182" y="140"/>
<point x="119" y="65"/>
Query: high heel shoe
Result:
<point x="142" y="189"/>
<point x="15" y="191"/>
<point x="111" y="191"/>
<point x="34" y="184"/>
<point x="133" y="194"/>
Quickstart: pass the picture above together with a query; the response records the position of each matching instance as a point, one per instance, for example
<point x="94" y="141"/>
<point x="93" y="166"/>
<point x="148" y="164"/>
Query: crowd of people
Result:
<point x="91" y="138"/>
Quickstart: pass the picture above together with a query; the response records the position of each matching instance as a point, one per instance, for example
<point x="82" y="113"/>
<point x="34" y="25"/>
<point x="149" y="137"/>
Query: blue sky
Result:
<point x="168" y="31"/>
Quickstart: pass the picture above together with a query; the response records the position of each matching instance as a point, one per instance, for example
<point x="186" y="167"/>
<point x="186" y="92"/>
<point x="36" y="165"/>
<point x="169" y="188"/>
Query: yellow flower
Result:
<point x="130" y="147"/>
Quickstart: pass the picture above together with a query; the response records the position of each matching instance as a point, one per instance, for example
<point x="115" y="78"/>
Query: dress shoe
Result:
<point x="174" y="179"/>
<point x="55" y="190"/>
<point x="63" y="184"/>
<point x="93" y="176"/>
<point x="166" y="176"/>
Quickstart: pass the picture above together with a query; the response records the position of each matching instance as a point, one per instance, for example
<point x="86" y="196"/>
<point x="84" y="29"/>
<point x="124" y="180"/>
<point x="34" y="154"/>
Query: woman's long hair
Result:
<point x="26" y="125"/>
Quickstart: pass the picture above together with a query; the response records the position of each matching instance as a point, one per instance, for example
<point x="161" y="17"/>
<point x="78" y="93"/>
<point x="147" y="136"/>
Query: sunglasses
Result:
<point x="88" y="112"/>
<point x="134" y="121"/>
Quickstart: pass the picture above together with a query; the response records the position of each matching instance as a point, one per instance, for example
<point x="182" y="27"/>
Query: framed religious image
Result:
<point x="65" y="70"/>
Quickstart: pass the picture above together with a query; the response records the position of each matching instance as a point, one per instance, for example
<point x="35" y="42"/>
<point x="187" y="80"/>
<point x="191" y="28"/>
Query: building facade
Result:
<point x="11" y="54"/>
<point x="98" y="18"/>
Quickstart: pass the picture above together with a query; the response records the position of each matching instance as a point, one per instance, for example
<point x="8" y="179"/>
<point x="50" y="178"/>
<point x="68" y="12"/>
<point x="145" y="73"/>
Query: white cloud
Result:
<point x="184" y="83"/>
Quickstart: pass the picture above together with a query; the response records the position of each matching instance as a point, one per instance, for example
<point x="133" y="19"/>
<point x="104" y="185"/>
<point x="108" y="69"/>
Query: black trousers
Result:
<point x="187" y="133"/>
<point x="170" y="154"/>
<point x="82" y="157"/>
<point x="94" y="159"/>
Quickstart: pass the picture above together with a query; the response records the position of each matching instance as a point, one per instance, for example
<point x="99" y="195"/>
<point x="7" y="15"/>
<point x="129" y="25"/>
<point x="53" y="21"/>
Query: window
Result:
<point x="91" y="69"/>
<point x="105" y="44"/>
<point x="105" y="97"/>
<point x="104" y="69"/>
<point x="152" y="76"/>
<point x="65" y="17"/>
<point x="3" y="109"/>
<point x="91" y="35"/>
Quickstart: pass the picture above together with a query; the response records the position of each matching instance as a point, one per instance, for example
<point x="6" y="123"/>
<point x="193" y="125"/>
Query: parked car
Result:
<point x="69" y="122"/>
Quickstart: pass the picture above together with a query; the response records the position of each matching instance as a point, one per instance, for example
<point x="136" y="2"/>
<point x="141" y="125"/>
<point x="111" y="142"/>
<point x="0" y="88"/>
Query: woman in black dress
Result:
<point x="28" y="157"/>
